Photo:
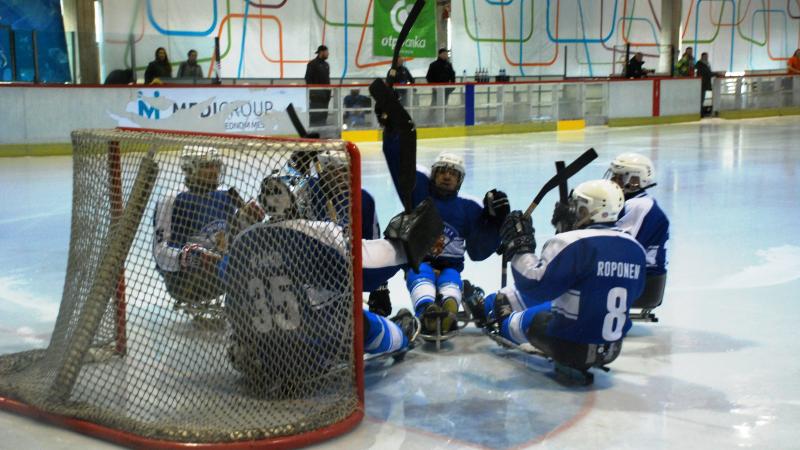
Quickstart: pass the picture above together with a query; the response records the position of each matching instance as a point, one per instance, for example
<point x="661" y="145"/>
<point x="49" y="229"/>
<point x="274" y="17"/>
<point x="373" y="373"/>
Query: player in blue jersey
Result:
<point x="572" y="302"/>
<point x="319" y="181"/>
<point x="287" y="298"/>
<point x="644" y="220"/>
<point x="193" y="229"/>
<point x="470" y="228"/>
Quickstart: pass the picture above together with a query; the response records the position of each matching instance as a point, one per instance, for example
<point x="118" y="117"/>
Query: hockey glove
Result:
<point x="563" y="218"/>
<point x="417" y="231"/>
<point x="379" y="301"/>
<point x="495" y="206"/>
<point x="517" y="235"/>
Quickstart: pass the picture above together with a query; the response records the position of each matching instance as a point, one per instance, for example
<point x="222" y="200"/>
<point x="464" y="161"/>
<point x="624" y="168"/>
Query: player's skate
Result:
<point x="440" y="321"/>
<point x="473" y="305"/>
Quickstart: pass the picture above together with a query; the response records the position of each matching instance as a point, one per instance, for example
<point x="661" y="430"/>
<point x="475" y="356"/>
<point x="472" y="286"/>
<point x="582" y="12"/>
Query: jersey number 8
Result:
<point x="614" y="321"/>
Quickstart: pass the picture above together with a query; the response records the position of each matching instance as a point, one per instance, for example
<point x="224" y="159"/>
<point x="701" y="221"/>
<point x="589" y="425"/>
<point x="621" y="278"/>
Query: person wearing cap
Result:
<point x="319" y="72"/>
<point x="441" y="71"/>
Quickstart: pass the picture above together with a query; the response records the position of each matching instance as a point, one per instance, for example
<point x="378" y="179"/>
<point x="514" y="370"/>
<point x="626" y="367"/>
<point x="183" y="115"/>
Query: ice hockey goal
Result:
<point x="189" y="318"/>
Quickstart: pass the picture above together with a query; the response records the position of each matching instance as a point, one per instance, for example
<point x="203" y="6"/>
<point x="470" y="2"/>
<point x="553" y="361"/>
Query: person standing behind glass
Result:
<point x="159" y="67"/>
<point x="441" y="71"/>
<point x="685" y="66"/>
<point x="190" y="68"/>
<point x="319" y="72"/>
<point x="403" y="76"/>
<point x="703" y="69"/>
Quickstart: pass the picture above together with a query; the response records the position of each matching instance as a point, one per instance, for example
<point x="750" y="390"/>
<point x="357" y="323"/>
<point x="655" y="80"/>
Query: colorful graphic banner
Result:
<point x="390" y="15"/>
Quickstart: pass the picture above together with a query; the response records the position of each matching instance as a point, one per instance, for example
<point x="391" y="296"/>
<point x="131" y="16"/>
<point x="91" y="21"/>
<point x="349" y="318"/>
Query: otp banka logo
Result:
<point x="399" y="14"/>
<point x="145" y="110"/>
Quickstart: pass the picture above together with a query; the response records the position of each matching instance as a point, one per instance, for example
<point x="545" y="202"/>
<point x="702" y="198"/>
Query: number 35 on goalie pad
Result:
<point x="293" y="309"/>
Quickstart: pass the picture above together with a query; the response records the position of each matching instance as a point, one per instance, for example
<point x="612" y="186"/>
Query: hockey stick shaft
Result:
<point x="563" y="189"/>
<point x="298" y="125"/>
<point x="562" y="176"/>
<point x="401" y="37"/>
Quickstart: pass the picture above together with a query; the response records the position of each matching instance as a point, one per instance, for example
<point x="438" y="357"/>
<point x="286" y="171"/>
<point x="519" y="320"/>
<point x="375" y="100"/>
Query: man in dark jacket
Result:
<point x="319" y="72"/>
<point x="703" y="69"/>
<point x="441" y="71"/>
<point x="403" y="76"/>
<point x="635" y="69"/>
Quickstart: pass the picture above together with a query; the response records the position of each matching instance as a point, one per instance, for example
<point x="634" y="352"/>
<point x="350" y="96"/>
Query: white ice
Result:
<point x="719" y="371"/>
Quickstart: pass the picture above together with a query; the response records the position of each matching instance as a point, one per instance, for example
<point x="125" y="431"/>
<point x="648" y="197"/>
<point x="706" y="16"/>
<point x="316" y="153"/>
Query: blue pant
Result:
<point x="425" y="284"/>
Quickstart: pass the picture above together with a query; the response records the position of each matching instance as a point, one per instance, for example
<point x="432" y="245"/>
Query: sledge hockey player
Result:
<point x="469" y="227"/>
<point x="572" y="302"/>
<point x="274" y="315"/>
<point x="323" y="184"/>
<point x="644" y="220"/>
<point x="193" y="229"/>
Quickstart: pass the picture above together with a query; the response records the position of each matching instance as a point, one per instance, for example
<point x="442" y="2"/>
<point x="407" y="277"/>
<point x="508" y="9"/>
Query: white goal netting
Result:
<point x="191" y="312"/>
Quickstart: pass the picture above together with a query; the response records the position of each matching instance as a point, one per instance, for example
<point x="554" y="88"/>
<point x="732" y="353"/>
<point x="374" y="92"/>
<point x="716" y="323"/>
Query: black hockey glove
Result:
<point x="379" y="301"/>
<point x="563" y="218"/>
<point x="417" y="231"/>
<point x="495" y="206"/>
<point x="516" y="235"/>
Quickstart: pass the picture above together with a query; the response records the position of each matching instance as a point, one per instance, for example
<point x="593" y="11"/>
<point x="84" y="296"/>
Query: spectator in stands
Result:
<point x="635" y="69"/>
<point x="703" y="69"/>
<point x="685" y="66"/>
<point x="441" y="71"/>
<point x="120" y="76"/>
<point x="190" y="68"/>
<point x="403" y="77"/>
<point x="319" y="72"/>
<point x="794" y="63"/>
<point x="158" y="68"/>
<point x="356" y="100"/>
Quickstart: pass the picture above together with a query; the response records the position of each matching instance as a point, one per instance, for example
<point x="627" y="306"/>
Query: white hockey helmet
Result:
<point x="450" y="161"/>
<point x="196" y="160"/>
<point x="597" y="201"/>
<point x="631" y="171"/>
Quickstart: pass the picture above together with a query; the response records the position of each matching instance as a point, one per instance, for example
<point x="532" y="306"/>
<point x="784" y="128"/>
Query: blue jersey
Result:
<point x="323" y="208"/>
<point x="592" y="277"/>
<point x="644" y="220"/>
<point x="191" y="218"/>
<point x="466" y="227"/>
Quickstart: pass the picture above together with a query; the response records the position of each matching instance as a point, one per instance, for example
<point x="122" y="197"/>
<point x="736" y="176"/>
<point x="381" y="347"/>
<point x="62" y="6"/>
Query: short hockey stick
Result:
<point x="560" y="178"/>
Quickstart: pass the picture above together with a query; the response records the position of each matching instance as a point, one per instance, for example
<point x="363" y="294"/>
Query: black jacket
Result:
<point x="705" y="73"/>
<point x="403" y="75"/>
<point x="634" y="69"/>
<point x="440" y="71"/>
<point x="157" y="70"/>
<point x="318" y="72"/>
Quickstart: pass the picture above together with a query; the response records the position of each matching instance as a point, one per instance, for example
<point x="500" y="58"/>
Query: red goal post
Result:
<point x="124" y="365"/>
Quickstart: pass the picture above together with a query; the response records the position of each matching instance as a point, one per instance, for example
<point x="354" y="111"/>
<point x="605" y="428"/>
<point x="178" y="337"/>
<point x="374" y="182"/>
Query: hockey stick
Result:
<point x="563" y="189"/>
<point x="401" y="38"/>
<point x="298" y="125"/>
<point x="105" y="280"/>
<point x="562" y="177"/>
<point x="559" y="178"/>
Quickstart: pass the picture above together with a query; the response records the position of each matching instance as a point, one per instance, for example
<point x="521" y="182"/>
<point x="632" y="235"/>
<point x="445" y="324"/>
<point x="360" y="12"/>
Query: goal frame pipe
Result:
<point x="300" y="440"/>
<point x="117" y="207"/>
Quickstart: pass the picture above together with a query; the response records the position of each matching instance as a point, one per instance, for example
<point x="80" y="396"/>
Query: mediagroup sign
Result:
<point x="216" y="110"/>
<point x="388" y="21"/>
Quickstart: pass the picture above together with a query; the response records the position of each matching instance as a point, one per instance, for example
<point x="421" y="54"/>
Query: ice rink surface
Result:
<point x="720" y="370"/>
